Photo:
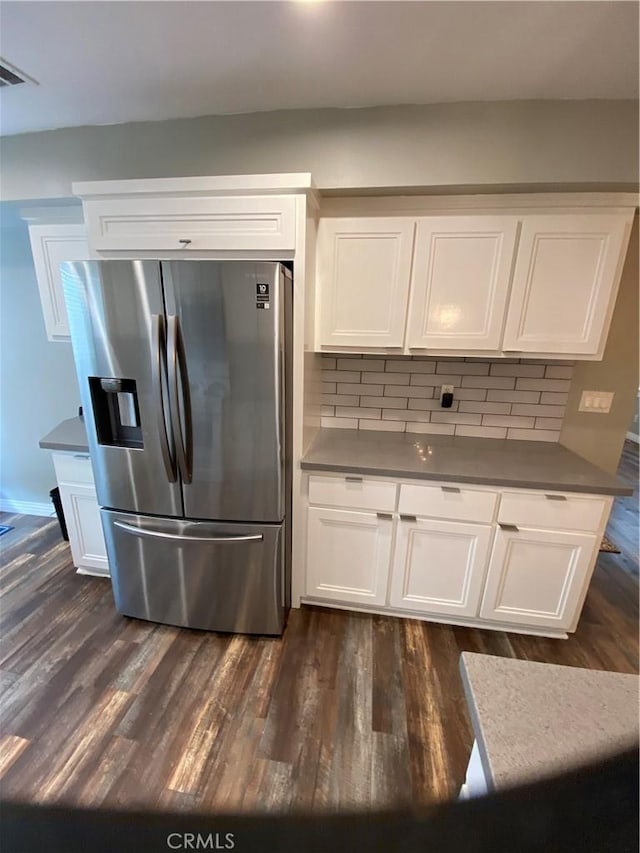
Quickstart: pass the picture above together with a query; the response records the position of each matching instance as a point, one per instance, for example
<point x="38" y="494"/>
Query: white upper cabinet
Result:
<point x="192" y="224"/>
<point x="364" y="268"/>
<point x="460" y="283"/>
<point x="565" y="282"/>
<point x="50" y="246"/>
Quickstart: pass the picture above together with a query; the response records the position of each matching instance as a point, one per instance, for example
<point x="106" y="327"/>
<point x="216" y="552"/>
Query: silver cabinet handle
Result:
<point x="158" y="370"/>
<point x="156" y="534"/>
<point x="453" y="489"/>
<point x="353" y="479"/>
<point x="385" y="516"/>
<point x="512" y="527"/>
<point x="185" y="243"/>
<point x="556" y="497"/>
<point x="408" y="517"/>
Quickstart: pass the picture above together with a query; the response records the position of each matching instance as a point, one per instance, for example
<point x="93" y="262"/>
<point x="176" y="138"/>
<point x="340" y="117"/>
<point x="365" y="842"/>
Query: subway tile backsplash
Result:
<point x="507" y="398"/>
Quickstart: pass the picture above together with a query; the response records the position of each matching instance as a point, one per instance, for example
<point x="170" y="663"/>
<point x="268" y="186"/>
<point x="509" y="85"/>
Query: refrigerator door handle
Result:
<point x="139" y="531"/>
<point x="158" y="367"/>
<point x="179" y="380"/>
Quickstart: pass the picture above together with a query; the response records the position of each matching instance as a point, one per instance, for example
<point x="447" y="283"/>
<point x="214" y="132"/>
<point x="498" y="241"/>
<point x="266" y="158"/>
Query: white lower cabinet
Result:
<point x="348" y="555"/>
<point x="81" y="513"/>
<point x="462" y="553"/>
<point x="439" y="566"/>
<point x="537" y="577"/>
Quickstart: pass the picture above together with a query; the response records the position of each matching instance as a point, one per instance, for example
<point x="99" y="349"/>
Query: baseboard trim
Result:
<point x="26" y="507"/>
<point x="633" y="437"/>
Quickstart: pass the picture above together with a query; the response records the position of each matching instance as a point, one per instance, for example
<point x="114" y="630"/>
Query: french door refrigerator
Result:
<point x="184" y="373"/>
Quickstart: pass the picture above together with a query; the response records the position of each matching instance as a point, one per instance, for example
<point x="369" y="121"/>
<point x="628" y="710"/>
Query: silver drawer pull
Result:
<point x="408" y="517"/>
<point x="454" y="490"/>
<point x="353" y="479"/>
<point x="385" y="516"/>
<point x="556" y="497"/>
<point x="512" y="527"/>
<point x="158" y="534"/>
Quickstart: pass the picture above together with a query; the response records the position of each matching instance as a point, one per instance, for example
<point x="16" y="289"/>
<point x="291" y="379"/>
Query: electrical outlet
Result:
<point x="446" y="396"/>
<point x="596" y="401"/>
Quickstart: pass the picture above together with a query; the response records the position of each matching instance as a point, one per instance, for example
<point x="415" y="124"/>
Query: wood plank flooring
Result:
<point x="623" y="521"/>
<point x="346" y="711"/>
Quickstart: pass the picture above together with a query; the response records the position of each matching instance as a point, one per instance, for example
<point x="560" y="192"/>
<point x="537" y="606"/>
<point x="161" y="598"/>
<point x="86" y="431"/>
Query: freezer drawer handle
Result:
<point x="222" y="540"/>
<point x="158" y="368"/>
<point x="353" y="479"/>
<point x="454" y="490"/>
<point x="556" y="497"/>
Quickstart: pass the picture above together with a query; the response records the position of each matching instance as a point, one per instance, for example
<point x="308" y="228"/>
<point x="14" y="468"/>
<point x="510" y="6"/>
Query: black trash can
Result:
<point x="54" y="494"/>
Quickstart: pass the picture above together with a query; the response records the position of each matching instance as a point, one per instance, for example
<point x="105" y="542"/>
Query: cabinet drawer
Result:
<point x="192" y="224"/>
<point x="73" y="468"/>
<point x="353" y="492"/>
<point x="562" y="512"/>
<point x="448" y="501"/>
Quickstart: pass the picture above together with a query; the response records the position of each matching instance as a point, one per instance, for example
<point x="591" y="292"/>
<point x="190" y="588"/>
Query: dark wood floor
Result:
<point x="623" y="522"/>
<point x="345" y="711"/>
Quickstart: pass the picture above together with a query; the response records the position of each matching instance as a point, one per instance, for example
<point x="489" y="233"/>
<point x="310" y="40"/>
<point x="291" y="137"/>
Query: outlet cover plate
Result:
<point x="596" y="401"/>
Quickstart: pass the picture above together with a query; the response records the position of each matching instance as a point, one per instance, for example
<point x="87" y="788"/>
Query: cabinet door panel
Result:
<point x="363" y="281"/>
<point x="84" y="525"/>
<point x="565" y="282"/>
<point x="460" y="281"/>
<point x="348" y="555"/>
<point x="50" y="246"/>
<point x="536" y="577"/>
<point x="439" y="566"/>
<point x="191" y="224"/>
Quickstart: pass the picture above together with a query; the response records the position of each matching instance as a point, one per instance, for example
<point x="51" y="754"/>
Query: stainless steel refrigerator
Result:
<point x="184" y="371"/>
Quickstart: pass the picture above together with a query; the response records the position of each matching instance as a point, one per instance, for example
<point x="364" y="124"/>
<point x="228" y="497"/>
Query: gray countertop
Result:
<point x="535" y="719"/>
<point x="520" y="464"/>
<point x="69" y="435"/>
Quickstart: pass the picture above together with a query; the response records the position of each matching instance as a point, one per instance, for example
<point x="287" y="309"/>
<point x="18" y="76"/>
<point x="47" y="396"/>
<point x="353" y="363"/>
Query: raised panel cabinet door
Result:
<point x="50" y="246"/>
<point x="363" y="272"/>
<point x="460" y="281"/>
<point x="565" y="282"/>
<point x="86" y="538"/>
<point x="537" y="577"/>
<point x="217" y="223"/>
<point x="348" y="555"/>
<point x="439" y="566"/>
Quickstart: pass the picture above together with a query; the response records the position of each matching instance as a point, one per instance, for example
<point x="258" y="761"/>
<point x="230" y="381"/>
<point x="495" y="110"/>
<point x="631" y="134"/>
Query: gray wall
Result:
<point x="38" y="386"/>
<point x="599" y="438"/>
<point x="516" y="144"/>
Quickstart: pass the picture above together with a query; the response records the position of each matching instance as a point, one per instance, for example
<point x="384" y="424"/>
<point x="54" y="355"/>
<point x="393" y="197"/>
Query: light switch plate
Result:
<point x="596" y="401"/>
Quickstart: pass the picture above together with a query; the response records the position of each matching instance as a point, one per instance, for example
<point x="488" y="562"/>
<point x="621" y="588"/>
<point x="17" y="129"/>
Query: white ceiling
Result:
<point x="107" y="62"/>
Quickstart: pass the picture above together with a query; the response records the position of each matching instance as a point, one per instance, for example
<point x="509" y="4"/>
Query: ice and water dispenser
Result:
<point x="116" y="412"/>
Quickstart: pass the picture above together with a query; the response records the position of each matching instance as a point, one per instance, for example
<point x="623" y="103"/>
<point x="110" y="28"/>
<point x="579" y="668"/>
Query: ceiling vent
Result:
<point x="12" y="76"/>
